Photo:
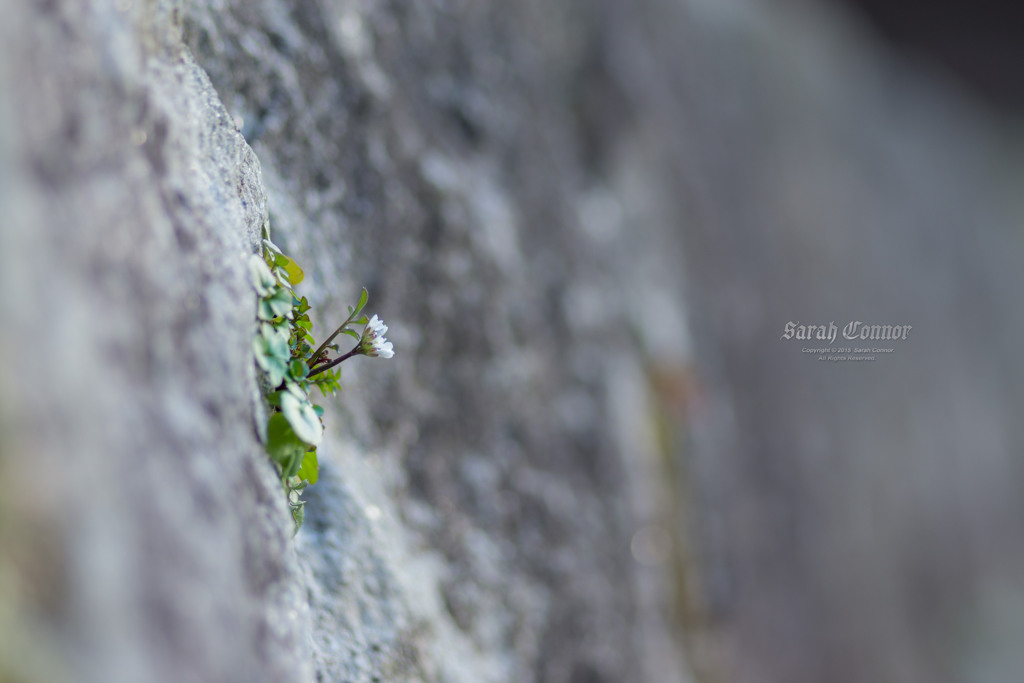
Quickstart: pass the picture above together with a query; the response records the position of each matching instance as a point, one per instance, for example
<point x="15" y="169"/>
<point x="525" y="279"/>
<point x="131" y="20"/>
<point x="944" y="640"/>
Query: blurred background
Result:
<point x="854" y="522"/>
<point x="595" y="457"/>
<point x="852" y="513"/>
<point x="975" y="44"/>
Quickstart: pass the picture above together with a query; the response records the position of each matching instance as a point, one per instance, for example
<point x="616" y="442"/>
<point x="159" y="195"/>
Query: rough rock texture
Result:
<point x="154" y="526"/>
<point x="438" y="156"/>
<point x="539" y="486"/>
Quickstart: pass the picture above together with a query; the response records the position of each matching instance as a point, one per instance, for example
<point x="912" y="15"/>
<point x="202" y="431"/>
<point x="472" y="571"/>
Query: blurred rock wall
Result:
<point x="856" y="521"/>
<point x="549" y="482"/>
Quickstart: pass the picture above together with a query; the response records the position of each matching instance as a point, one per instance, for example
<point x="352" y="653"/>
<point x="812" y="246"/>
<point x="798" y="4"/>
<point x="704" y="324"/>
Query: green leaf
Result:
<point x="280" y="432"/>
<point x="295" y="389"/>
<point x="275" y="367"/>
<point x="298" y="369"/>
<point x="328" y="382"/>
<point x="262" y="279"/>
<point x="302" y="418"/>
<point x="362" y="301"/>
<point x="294" y="273"/>
<point x="310" y="468"/>
<point x="319" y="410"/>
<point x="284" y="446"/>
<point x="276" y="372"/>
<point x="352" y="333"/>
<point x="280" y="303"/>
<point x="276" y="340"/>
<point x="264" y="311"/>
<point x="299" y="515"/>
<point x="281" y="278"/>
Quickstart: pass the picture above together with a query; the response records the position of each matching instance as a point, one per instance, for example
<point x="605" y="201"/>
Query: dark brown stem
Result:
<point x="327" y="366"/>
<point x="323" y="347"/>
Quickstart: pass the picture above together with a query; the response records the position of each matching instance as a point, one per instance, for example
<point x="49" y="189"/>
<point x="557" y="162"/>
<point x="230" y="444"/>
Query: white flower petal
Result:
<point x="373" y="342"/>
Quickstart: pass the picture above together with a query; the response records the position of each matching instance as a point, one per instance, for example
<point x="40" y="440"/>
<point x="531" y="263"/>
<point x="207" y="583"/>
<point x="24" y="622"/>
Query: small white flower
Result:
<point x="373" y="342"/>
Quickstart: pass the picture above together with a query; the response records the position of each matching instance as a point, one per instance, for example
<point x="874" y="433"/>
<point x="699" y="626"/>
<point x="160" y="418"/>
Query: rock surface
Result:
<point x="546" y="483"/>
<point x="155" y="546"/>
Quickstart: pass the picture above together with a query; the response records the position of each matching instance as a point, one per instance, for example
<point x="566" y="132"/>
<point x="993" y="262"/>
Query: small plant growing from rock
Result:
<point x="284" y="351"/>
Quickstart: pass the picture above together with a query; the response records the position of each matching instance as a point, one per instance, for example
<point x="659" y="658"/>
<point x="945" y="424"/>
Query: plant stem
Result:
<point x="327" y="366"/>
<point x="327" y="341"/>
